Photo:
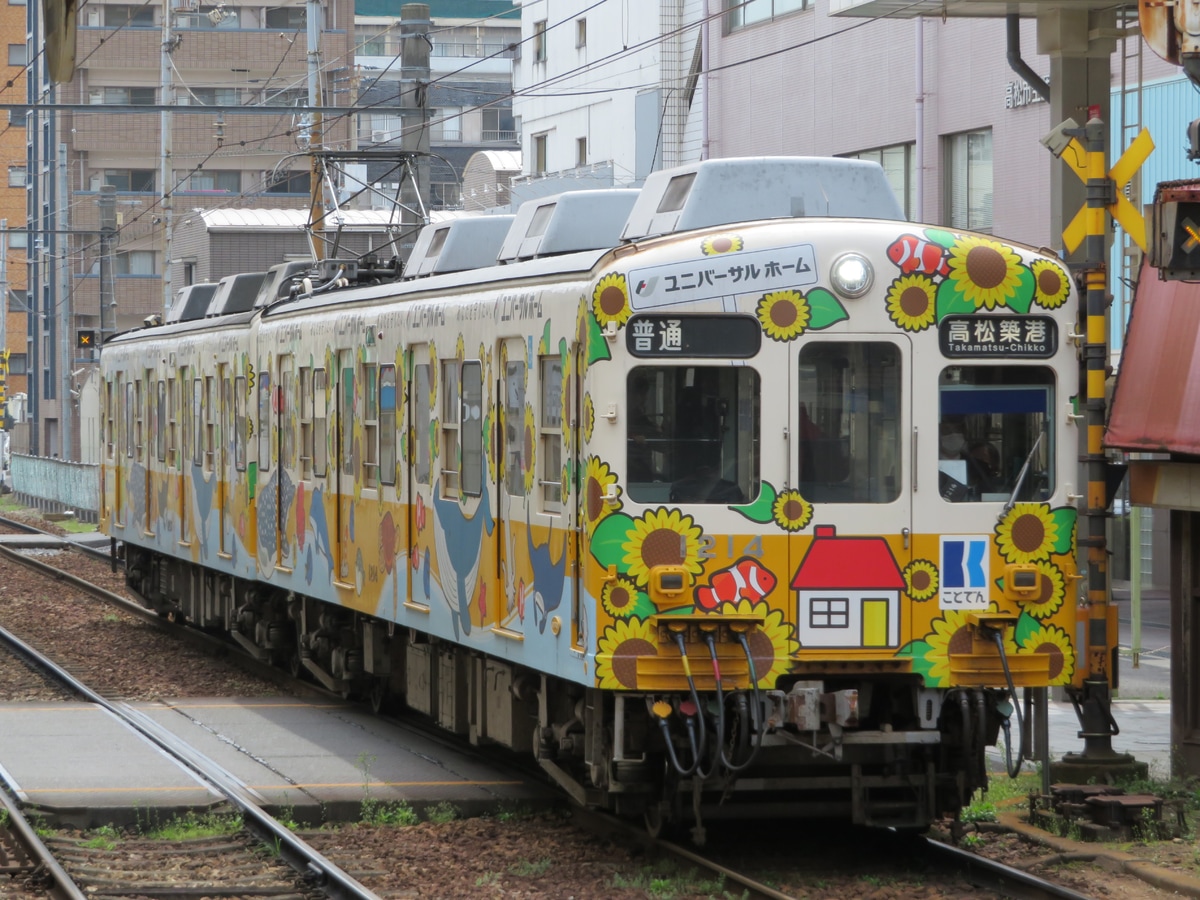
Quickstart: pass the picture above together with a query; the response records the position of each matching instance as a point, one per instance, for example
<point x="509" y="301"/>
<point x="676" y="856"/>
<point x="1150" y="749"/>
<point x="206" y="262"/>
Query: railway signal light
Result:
<point x="85" y="339"/>
<point x="1175" y="247"/>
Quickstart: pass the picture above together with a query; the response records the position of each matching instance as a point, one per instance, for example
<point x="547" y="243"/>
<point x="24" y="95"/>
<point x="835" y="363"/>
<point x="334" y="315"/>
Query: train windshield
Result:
<point x="692" y="434"/>
<point x="995" y="433"/>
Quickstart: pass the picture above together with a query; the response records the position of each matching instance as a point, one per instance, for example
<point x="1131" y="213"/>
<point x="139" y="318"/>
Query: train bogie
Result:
<point x="776" y="509"/>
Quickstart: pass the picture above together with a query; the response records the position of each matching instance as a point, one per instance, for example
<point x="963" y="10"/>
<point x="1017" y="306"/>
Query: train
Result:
<point x="737" y="494"/>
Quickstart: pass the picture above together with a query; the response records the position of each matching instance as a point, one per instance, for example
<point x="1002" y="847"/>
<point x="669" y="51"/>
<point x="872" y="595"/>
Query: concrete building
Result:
<point x="13" y="236"/>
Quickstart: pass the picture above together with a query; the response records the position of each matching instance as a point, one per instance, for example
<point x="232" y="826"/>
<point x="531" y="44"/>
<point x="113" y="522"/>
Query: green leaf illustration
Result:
<point x="761" y="510"/>
<point x="825" y="309"/>
<point x="951" y="302"/>
<point x="1064" y="517"/>
<point x="937" y="236"/>
<point x="608" y="537"/>
<point x="1027" y="627"/>
<point x="597" y="346"/>
<point x="1024" y="298"/>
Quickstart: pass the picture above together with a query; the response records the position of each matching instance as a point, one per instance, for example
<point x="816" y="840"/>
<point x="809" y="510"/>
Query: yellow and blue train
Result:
<point x="735" y="492"/>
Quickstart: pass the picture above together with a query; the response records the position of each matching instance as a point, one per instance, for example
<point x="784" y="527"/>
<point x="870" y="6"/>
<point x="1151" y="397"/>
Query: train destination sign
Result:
<point x="726" y="336"/>
<point x="981" y="336"/>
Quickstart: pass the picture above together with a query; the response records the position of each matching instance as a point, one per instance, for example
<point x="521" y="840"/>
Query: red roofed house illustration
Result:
<point x="849" y="592"/>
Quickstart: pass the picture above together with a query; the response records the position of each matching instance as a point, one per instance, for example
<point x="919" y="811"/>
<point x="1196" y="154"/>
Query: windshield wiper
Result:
<point x="1024" y="471"/>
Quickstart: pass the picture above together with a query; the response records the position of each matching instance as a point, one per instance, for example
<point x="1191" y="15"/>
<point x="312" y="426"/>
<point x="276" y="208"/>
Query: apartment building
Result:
<point x="13" y="236"/>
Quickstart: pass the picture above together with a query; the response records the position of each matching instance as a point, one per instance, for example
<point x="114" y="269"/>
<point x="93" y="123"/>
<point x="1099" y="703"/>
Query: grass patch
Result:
<point x="487" y="879"/>
<point x="102" y="838"/>
<point x="193" y="825"/>
<point x="508" y="815"/>
<point x="74" y="526"/>
<point x="665" y="880"/>
<point x="381" y="812"/>
<point x="530" y="868"/>
<point x="442" y="813"/>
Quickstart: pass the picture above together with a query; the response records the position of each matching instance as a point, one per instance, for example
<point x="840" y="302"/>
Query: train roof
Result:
<point x="567" y="223"/>
<point x="717" y="192"/>
<point x="235" y="293"/>
<point x="191" y="302"/>
<point x="275" y="286"/>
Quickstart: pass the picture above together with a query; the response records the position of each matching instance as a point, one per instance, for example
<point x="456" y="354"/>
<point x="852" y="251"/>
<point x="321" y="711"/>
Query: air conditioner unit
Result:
<point x="379" y="137"/>
<point x="93" y="17"/>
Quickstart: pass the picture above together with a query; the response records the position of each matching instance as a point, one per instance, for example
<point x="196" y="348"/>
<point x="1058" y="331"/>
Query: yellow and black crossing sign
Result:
<point x="85" y="339"/>
<point x="1090" y="165"/>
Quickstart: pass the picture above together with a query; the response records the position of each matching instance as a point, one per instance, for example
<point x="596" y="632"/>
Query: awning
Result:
<point x="1156" y="404"/>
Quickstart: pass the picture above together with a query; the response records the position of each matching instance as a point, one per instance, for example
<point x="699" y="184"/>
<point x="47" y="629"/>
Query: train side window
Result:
<point x="264" y="419"/>
<point x="515" y="462"/>
<point x="284" y="424"/>
<point x="451" y="473"/>
<point x="172" y="426"/>
<point x="210" y="424"/>
<point x="160" y="421"/>
<point x="550" y="431"/>
<point x="306" y="422"/>
<point x="849" y="437"/>
<point x="387" y="424"/>
<point x="185" y="426"/>
<point x="370" y="455"/>
<point x="471" y="428"/>
<point x="142" y="414"/>
<point x="130" y="412"/>
<point x="420" y="412"/>
<point x="109" y="411"/>
<point x="197" y="422"/>
<point x="320" y="423"/>
<point x="240" y="430"/>
<point x="995" y="433"/>
<point x="692" y="434"/>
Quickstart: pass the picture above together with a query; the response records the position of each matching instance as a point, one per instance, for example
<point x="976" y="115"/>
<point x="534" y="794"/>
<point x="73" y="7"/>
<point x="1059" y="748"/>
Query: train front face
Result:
<point x="827" y="504"/>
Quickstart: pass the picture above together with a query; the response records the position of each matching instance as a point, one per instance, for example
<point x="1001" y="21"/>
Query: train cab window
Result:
<point x="420" y="408"/>
<point x="692" y="434"/>
<point x="471" y="427"/>
<point x="848" y="425"/>
<point x="995" y="433"/>
<point x="450" y="439"/>
<point x="387" y="424"/>
<point x="550" y="432"/>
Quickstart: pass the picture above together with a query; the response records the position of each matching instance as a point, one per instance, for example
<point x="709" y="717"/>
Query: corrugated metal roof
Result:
<point x="1156" y="404"/>
<point x="291" y="219"/>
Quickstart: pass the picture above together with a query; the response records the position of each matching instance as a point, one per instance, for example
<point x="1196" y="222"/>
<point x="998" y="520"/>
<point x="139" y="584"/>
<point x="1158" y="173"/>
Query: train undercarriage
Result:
<point x="867" y="747"/>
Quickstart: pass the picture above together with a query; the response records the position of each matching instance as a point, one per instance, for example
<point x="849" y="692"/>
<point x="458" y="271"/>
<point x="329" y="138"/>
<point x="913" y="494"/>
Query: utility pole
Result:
<point x="66" y="448"/>
<point x="414" y="116"/>
<point x="316" y="210"/>
<point x="166" y="171"/>
<point x="108" y="227"/>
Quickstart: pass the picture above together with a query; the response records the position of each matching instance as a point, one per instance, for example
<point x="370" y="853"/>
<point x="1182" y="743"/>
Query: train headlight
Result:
<point x="852" y="275"/>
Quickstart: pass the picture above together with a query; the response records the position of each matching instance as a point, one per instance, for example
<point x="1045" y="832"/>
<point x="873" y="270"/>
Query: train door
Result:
<point x="511" y="499"/>
<point x="573" y="501"/>
<point x="344" y="462"/>
<point x="850" y="512"/>
<point x="224" y="461"/>
<point x="420" y="478"/>
<point x="282" y="442"/>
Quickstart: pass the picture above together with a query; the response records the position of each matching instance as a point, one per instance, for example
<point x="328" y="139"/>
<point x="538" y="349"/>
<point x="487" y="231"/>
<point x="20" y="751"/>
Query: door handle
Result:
<point x="905" y="533"/>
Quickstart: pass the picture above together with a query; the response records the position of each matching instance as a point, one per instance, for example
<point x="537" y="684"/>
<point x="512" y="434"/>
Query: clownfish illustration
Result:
<point x="912" y="254"/>
<point x="747" y="579"/>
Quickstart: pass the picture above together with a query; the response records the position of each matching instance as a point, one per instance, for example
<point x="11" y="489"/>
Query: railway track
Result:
<point x="968" y="868"/>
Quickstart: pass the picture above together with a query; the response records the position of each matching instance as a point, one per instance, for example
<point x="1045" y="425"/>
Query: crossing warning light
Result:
<point x="85" y="339"/>
<point x="1175" y="245"/>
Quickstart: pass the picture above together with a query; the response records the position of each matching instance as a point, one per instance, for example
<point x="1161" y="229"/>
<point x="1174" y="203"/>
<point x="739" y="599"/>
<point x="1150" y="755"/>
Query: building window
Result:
<point x="16" y="118"/>
<point x="18" y="240"/>
<point x="130" y="180"/>
<point x="292" y="17"/>
<point x="17" y="55"/>
<point x="123" y="96"/>
<point x="751" y="12"/>
<point x="289" y="183"/>
<point x="373" y="44"/>
<point x="134" y="262"/>
<point x="539" y="154"/>
<point x="210" y="181"/>
<point x="581" y="151"/>
<point x="17" y="364"/>
<point x="446" y="124"/>
<point x="899" y="165"/>
<point x="16" y="2"/>
<point x="16" y="176"/>
<point x="539" y="41"/>
<point x="445" y="195"/>
<point x="968" y="167"/>
<point x="498" y="124"/>
<point x="209" y="96"/>
<point x="119" y="15"/>
<point x="581" y="32"/>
